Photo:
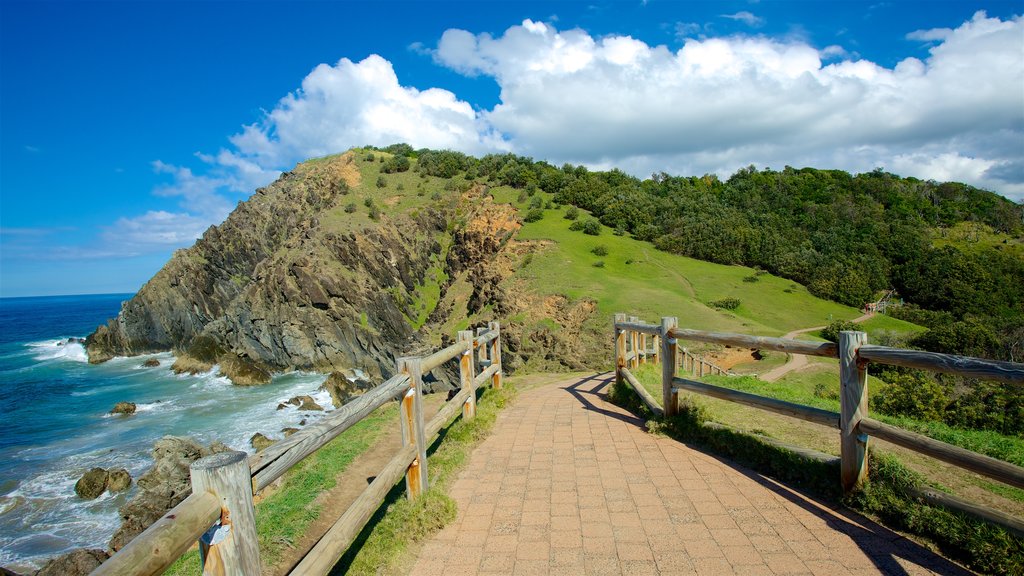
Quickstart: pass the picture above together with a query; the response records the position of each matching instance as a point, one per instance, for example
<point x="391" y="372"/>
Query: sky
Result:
<point x="129" y="128"/>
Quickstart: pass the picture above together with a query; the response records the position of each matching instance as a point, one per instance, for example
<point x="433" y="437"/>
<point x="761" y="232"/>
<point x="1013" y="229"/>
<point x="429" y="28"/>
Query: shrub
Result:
<point x="726" y="303"/>
<point x="342" y="187"/>
<point x="435" y="196"/>
<point x="381" y="182"/>
<point x="395" y="164"/>
<point x="400" y="187"/>
<point x="600" y="250"/>
<point x="350" y="207"/>
<point x="599" y="264"/>
<point x="370" y="157"/>
<point x="751" y="278"/>
<point x="537" y="202"/>
<point x="374" y="212"/>
<point x="831" y="332"/>
<point x="912" y="395"/>
<point x="368" y="202"/>
<point x="590" y="226"/>
<point x="533" y="215"/>
<point x="576" y="226"/>
<point x="572" y="213"/>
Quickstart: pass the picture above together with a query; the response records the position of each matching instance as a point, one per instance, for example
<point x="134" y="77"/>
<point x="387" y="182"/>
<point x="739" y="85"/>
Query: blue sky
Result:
<point x="128" y="128"/>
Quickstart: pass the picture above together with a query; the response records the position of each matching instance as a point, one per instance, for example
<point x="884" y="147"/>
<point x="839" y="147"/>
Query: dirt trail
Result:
<point x="799" y="361"/>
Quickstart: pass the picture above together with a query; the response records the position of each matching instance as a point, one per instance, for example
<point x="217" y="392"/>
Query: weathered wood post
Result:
<point x="495" y="353"/>
<point x="634" y="343"/>
<point x="656" y="348"/>
<point x="853" y="402"/>
<point x="669" y="398"/>
<point x="482" y="351"/>
<point x="643" y="347"/>
<point x="466" y="374"/>
<point x="620" y="348"/>
<point x="412" y="426"/>
<point x="231" y="545"/>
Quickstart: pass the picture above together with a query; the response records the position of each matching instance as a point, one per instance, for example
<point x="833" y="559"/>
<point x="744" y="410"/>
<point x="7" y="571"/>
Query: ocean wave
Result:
<point x="58" y="350"/>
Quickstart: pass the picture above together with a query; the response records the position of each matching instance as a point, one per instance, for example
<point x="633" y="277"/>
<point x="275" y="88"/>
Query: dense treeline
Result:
<point x="845" y="237"/>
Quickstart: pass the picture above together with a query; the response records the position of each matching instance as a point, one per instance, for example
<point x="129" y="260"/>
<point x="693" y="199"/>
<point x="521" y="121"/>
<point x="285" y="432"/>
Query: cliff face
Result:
<point x="281" y="285"/>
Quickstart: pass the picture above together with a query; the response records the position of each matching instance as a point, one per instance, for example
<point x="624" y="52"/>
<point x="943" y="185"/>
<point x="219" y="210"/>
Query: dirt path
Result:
<point x="569" y="484"/>
<point x="799" y="361"/>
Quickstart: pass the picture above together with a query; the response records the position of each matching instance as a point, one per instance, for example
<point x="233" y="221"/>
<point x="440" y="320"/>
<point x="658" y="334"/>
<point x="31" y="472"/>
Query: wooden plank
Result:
<point x="634" y="326"/>
<point x="985" y="465"/>
<point x="232" y="547"/>
<point x="645" y="396"/>
<point x="326" y="553"/>
<point x="466" y="375"/>
<point x="828" y="349"/>
<point x="446" y="413"/>
<point x="428" y="363"/>
<point x="482" y="350"/>
<point x="156" y="548"/>
<point x="496" y="353"/>
<point x="800" y="411"/>
<point x="669" y="397"/>
<point x="278" y="458"/>
<point x="1009" y="372"/>
<point x="853" y="402"/>
<point x="933" y="497"/>
<point x="486" y="375"/>
<point x="485" y="336"/>
<point x="634" y="344"/>
<point x="413" y="432"/>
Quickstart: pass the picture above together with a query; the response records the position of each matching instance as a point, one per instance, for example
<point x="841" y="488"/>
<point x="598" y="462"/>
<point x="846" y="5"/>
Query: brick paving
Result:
<point x="570" y="484"/>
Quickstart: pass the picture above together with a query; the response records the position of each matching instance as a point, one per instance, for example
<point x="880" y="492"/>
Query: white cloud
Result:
<point x="746" y="17"/>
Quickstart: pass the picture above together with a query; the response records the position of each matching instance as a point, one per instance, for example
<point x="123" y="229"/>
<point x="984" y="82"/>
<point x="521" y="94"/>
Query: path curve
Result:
<point x="799" y="361"/>
<point x="568" y="483"/>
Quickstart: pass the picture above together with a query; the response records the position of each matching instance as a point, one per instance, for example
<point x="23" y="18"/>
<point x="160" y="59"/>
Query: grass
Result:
<point x="283" y="517"/>
<point x="381" y="547"/>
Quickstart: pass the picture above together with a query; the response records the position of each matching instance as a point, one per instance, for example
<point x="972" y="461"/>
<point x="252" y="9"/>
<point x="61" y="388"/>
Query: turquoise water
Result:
<point x="54" y="421"/>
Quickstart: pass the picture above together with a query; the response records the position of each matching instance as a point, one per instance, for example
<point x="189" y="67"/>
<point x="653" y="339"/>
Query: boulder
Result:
<point x="118" y="480"/>
<point x="76" y="563"/>
<point x="260" y="442"/>
<point x="161" y="487"/>
<point x="289" y="431"/>
<point x="305" y="402"/>
<point x="244" y="371"/>
<point x="124" y="408"/>
<point x="92" y="484"/>
<point x="151" y="363"/>
<point x="342" y="388"/>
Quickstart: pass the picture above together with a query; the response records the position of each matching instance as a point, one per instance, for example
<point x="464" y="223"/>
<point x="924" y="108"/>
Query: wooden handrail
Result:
<point x="827" y="349"/>
<point x="1009" y="372"/>
<point x="441" y="356"/>
<point x="808" y="413"/>
<point x="642" y="392"/>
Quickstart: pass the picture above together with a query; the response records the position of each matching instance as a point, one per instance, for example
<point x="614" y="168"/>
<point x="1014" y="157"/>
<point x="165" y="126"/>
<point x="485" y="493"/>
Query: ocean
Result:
<point x="55" y="422"/>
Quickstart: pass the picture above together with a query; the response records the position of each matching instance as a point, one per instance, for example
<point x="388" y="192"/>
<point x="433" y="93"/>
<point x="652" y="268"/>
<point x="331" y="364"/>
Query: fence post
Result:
<point x="466" y="374"/>
<point x="656" y="349"/>
<point x="620" y="348"/>
<point x="412" y="427"/>
<point x="669" y="398"/>
<point x="853" y="402"/>
<point x="634" y="343"/>
<point x="231" y="545"/>
<point x="495" y="354"/>
<point x="482" y="351"/>
<point x="643" y="348"/>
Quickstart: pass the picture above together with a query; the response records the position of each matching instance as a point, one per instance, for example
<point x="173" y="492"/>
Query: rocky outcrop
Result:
<point x="126" y="408"/>
<point x="151" y="363"/>
<point x="259" y="441"/>
<point x="118" y="480"/>
<point x="77" y="563"/>
<point x="344" y="388"/>
<point x="305" y="402"/>
<point x="244" y="371"/>
<point x="162" y="487"/>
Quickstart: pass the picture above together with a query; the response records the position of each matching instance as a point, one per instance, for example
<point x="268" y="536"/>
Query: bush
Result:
<point x="912" y="395"/>
<point x="590" y="226"/>
<point x="831" y="332"/>
<point x="599" y="264"/>
<point x="533" y="215"/>
<point x="726" y="303"/>
<point x="600" y="250"/>
<point x="537" y="202"/>
<point x="381" y="182"/>
<point x="374" y="212"/>
<point x="370" y="157"/>
<point x="576" y="226"/>
<point x="395" y="164"/>
<point x="435" y="196"/>
<point x="368" y="202"/>
<point x="751" y="278"/>
<point x="342" y="187"/>
<point x="572" y="213"/>
<point x="350" y="207"/>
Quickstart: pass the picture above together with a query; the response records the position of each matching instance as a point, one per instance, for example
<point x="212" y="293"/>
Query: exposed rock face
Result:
<point x="342" y="388"/>
<point x="305" y="402"/>
<point x="123" y="408"/>
<point x="243" y="371"/>
<point x="151" y="363"/>
<point x="259" y="441"/>
<point x="92" y="484"/>
<point x="77" y="563"/>
<point x="118" y="480"/>
<point x="162" y="487"/>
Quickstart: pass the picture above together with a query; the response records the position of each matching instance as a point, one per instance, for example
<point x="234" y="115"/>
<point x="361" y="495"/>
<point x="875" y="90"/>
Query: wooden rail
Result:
<point x="220" y="514"/>
<point x="855" y="426"/>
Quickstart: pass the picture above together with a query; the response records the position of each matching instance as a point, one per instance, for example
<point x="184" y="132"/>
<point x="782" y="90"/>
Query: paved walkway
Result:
<point x="570" y="484"/>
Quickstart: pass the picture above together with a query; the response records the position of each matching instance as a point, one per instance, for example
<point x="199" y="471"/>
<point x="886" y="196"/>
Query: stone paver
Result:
<point x="570" y="484"/>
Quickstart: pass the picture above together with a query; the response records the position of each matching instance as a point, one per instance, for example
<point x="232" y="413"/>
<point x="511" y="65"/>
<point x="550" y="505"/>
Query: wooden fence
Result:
<point x="220" y="515"/>
<point x="855" y="426"/>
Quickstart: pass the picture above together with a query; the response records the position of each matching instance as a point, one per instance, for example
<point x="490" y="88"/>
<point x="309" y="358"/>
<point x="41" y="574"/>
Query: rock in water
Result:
<point x="118" y="480"/>
<point x="124" y="408"/>
<point x="244" y="371"/>
<point x="305" y="402"/>
<point x="77" y="563"/>
<point x="260" y="442"/>
<point x="341" y="388"/>
<point x="151" y="363"/>
<point x="162" y="487"/>
<point x="92" y="484"/>
<point x="289" y="431"/>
